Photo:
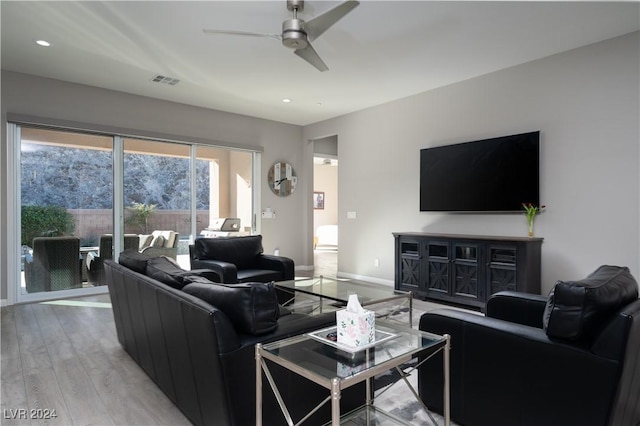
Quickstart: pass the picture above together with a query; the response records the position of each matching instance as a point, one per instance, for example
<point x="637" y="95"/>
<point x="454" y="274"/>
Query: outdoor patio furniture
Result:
<point x="95" y="261"/>
<point x="160" y="243"/>
<point x="53" y="265"/>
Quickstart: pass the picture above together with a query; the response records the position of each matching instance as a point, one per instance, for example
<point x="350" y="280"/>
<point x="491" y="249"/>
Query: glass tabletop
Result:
<point x="339" y="289"/>
<point x="324" y="362"/>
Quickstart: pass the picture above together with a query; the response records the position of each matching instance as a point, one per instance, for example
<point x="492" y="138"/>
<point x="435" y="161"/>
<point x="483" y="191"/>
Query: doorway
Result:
<point x="325" y="215"/>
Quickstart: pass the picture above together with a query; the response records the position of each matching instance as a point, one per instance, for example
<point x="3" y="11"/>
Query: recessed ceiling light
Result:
<point x="286" y="100"/>
<point x="319" y="103"/>
<point x="43" y="43"/>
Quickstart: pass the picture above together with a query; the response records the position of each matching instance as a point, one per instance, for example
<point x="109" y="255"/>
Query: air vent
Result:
<point x="165" y="80"/>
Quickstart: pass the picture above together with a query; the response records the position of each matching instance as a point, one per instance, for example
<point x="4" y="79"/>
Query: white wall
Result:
<point x="54" y="99"/>
<point x="585" y="102"/>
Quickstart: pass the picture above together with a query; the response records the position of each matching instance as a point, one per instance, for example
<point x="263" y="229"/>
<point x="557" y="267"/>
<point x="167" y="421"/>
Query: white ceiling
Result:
<point x="381" y="51"/>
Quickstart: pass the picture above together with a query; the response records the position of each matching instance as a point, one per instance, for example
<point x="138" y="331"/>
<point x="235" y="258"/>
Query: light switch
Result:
<point x="351" y="215"/>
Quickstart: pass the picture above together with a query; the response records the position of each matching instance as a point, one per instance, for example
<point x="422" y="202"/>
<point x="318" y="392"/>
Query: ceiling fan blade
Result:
<point x="318" y="25"/>
<point x="310" y="55"/>
<point x="243" y="33"/>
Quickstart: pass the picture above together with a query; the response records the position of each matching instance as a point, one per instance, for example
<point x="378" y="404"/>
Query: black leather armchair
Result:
<point x="239" y="260"/>
<point x="523" y="363"/>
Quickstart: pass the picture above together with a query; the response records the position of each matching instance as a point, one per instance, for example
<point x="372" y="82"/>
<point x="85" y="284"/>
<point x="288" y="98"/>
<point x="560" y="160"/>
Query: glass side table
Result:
<point x="325" y="363"/>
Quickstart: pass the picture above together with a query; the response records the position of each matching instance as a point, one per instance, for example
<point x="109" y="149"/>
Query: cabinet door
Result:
<point x="438" y="267"/>
<point x="466" y="261"/>
<point x="409" y="265"/>
<point x="502" y="268"/>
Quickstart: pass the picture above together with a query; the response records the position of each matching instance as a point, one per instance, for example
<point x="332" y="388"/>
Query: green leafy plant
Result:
<point x="531" y="211"/>
<point x="139" y="216"/>
<point x="45" y="221"/>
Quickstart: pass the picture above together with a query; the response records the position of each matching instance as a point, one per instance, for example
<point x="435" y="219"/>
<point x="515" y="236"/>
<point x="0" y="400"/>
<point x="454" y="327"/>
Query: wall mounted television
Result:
<point x="489" y="175"/>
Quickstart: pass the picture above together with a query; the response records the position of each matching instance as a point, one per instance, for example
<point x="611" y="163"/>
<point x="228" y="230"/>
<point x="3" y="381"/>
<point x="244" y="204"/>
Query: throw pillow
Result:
<point x="575" y="309"/>
<point x="145" y="241"/>
<point x="252" y="307"/>
<point x="167" y="271"/>
<point x="134" y="260"/>
<point x="197" y="279"/>
<point x="158" y="241"/>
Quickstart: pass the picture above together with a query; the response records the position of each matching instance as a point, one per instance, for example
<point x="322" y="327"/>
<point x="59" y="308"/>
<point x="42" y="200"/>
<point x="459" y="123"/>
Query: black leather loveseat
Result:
<point x="195" y="339"/>
<point x="572" y="359"/>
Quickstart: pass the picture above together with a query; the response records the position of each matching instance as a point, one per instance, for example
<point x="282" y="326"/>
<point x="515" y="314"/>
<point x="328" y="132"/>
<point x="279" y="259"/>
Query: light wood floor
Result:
<point x="63" y="358"/>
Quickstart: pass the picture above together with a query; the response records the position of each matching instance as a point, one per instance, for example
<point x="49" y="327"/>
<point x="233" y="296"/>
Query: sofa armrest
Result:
<point x="517" y="307"/>
<point x="226" y="272"/>
<point x="277" y="263"/>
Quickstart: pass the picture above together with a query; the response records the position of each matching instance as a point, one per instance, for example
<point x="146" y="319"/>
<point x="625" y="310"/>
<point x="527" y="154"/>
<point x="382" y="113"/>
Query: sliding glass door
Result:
<point x="157" y="198"/>
<point x="66" y="203"/>
<point x="79" y="191"/>
<point x="224" y="190"/>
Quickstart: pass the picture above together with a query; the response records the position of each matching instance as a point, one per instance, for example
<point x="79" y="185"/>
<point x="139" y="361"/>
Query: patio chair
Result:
<point x="160" y="243"/>
<point x="95" y="261"/>
<point x="54" y="264"/>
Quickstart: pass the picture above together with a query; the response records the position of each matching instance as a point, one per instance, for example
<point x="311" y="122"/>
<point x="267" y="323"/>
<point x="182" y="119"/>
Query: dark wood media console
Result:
<point x="465" y="269"/>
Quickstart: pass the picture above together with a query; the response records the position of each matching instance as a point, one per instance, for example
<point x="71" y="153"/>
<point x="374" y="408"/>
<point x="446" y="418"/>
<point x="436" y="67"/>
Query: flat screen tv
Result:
<point x="489" y="175"/>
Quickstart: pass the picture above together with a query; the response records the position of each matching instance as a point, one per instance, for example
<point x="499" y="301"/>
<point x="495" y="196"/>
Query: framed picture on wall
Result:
<point x="318" y="200"/>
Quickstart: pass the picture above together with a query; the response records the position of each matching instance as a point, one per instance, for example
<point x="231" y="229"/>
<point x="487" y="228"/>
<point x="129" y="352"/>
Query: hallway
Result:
<point x="325" y="263"/>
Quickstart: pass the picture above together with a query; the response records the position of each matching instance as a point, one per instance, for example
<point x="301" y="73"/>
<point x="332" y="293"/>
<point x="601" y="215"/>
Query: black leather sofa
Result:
<point x="202" y="355"/>
<point x="570" y="359"/>
<point x="239" y="259"/>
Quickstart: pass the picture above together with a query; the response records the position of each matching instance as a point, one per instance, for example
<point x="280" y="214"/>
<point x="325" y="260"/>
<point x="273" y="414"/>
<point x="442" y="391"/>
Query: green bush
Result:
<point x="45" y="221"/>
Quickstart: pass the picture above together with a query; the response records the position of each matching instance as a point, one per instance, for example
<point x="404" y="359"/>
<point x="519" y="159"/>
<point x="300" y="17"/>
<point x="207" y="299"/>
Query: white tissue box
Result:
<point x="356" y="329"/>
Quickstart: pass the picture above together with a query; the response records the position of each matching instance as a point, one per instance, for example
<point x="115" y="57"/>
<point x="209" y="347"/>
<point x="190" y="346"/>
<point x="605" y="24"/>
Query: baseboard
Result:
<point x="374" y="280"/>
<point x="3" y="303"/>
<point x="304" y="268"/>
<point x="389" y="283"/>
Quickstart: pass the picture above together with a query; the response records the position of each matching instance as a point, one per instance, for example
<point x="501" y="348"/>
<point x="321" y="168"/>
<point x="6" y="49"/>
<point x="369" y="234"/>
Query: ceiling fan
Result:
<point x="298" y="34"/>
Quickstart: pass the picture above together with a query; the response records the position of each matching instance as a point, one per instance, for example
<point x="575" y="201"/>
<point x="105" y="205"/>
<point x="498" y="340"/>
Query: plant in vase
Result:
<point x="531" y="211"/>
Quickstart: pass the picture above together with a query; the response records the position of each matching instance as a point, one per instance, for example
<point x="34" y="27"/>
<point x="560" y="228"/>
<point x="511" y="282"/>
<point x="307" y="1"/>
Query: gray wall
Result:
<point x="585" y="102"/>
<point x="326" y="147"/>
<point x="53" y="99"/>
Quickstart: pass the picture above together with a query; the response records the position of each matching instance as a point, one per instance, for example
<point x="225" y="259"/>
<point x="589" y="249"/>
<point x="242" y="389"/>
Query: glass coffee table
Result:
<point x="333" y="293"/>
<point x="336" y="368"/>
